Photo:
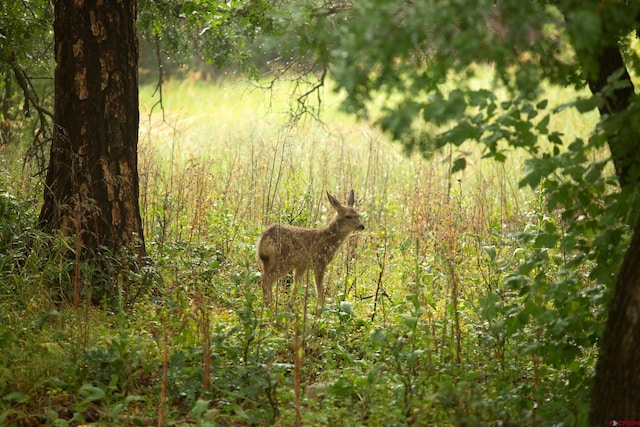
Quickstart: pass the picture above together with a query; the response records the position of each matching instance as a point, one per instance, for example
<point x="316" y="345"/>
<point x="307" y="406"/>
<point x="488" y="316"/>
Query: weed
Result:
<point x="459" y="304"/>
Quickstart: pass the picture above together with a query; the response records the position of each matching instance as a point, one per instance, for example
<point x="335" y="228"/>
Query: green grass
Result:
<point x="412" y="333"/>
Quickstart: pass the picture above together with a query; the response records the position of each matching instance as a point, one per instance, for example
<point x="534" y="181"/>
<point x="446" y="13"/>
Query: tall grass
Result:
<point x="236" y="151"/>
<point x="403" y="339"/>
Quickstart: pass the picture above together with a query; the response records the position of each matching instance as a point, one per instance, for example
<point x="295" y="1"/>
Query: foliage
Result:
<point x="187" y="34"/>
<point x="174" y="35"/>
<point x="475" y="298"/>
<point x="426" y="323"/>
<point x="26" y="66"/>
<point x="416" y="69"/>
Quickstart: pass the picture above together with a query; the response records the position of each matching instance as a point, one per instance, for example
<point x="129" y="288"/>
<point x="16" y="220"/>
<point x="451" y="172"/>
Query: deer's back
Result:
<point x="286" y="239"/>
<point x="297" y="245"/>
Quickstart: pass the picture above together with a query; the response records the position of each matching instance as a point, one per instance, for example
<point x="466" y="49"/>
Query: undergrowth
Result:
<point x="437" y="313"/>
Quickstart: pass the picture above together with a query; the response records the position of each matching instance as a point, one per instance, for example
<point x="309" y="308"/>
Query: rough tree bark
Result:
<point x="616" y="391"/>
<point x="91" y="188"/>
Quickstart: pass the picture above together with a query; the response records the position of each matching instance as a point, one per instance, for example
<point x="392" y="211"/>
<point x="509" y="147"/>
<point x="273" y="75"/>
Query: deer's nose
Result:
<point x="361" y="227"/>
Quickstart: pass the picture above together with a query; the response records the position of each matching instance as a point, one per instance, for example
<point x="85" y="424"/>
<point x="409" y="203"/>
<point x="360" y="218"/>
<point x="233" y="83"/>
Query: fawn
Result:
<point x="283" y="248"/>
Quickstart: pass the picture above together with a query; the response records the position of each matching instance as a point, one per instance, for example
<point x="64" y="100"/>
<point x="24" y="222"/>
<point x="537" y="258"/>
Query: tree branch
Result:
<point x="43" y="133"/>
<point x="30" y="96"/>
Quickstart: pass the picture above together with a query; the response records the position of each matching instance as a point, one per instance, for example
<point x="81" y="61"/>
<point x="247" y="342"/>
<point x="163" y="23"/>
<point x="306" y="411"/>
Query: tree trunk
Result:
<point x="616" y="391"/>
<point x="91" y="188"/>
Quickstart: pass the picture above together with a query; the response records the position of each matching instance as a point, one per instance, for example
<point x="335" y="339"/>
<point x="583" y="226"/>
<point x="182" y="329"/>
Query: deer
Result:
<point x="285" y="248"/>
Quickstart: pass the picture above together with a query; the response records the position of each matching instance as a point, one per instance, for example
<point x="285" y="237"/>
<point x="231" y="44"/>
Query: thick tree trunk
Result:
<point x="92" y="181"/>
<point x="616" y="391"/>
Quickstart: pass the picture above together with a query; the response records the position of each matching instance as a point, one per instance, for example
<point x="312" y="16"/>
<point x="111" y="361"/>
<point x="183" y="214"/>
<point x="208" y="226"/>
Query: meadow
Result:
<point x="420" y="326"/>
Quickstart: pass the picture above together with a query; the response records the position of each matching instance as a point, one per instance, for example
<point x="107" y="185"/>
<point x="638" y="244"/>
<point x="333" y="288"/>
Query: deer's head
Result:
<point x="347" y="218"/>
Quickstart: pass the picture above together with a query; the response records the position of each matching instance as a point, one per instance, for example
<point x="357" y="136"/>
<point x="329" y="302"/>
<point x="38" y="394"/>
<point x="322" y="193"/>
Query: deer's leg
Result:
<point x="269" y="275"/>
<point x="298" y="279"/>
<point x="267" y="283"/>
<point x="298" y="274"/>
<point x="319" y="273"/>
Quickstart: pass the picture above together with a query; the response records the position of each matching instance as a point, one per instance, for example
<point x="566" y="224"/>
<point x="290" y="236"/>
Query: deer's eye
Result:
<point x="348" y="216"/>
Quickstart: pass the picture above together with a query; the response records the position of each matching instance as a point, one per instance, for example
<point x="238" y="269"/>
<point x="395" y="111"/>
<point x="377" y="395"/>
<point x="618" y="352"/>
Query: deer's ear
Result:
<point x="350" y="199"/>
<point x="334" y="202"/>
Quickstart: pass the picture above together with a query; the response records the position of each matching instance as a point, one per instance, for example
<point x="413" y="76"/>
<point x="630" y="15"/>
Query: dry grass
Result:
<point x="402" y="338"/>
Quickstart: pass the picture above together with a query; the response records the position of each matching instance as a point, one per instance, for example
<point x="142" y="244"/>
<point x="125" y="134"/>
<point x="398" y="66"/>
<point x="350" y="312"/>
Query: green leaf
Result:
<point x="379" y="337"/>
<point x="341" y="388"/>
<point x="91" y="393"/>
<point x="584" y="105"/>
<point x="479" y="98"/>
<point x="458" y="165"/>
<point x="543" y="126"/>
<point x="542" y="104"/>
<point x="463" y="131"/>
<point x="490" y="251"/>
<point x="409" y="320"/>
<point x="555" y="138"/>
<point x="199" y="408"/>
<point x="489" y="306"/>
<point x="346" y="308"/>
<point x="117" y="409"/>
<point x="499" y="156"/>
<point x="16" y="397"/>
<point x="51" y="314"/>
